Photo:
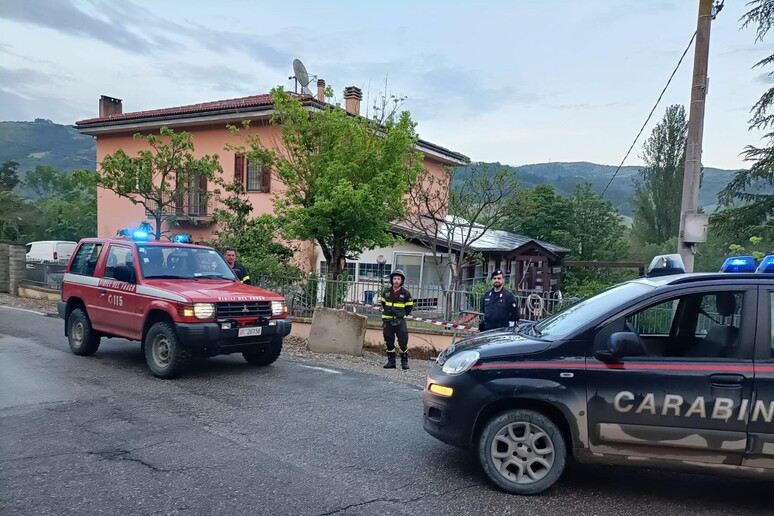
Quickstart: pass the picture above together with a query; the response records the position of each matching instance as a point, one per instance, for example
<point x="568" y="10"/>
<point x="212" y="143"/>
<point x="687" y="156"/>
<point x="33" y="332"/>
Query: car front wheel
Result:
<point x="165" y="355"/>
<point x="522" y="451"/>
<point x="83" y="339"/>
<point x="265" y="354"/>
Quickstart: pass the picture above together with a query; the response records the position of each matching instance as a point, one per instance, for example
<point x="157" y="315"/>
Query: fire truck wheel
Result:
<point x="164" y="354"/>
<point x="83" y="339"/>
<point x="265" y="354"/>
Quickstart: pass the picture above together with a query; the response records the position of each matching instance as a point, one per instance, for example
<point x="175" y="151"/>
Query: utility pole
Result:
<point x="690" y="200"/>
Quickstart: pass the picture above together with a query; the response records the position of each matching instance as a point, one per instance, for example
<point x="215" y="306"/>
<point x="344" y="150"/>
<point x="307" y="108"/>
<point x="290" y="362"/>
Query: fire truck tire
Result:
<point x="83" y="339"/>
<point x="264" y="355"/>
<point x="165" y="355"/>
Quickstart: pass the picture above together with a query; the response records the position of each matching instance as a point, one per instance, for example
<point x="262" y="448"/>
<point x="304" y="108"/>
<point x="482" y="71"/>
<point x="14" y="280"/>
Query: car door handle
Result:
<point x="727" y="380"/>
<point x="102" y="291"/>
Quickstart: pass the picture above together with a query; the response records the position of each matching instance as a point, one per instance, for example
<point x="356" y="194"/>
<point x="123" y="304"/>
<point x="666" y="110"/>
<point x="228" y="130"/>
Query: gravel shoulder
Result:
<point x="295" y="348"/>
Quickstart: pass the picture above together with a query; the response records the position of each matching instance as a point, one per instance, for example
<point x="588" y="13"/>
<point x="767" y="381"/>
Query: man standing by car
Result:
<point x="501" y="308"/>
<point x="239" y="269"/>
<point x="397" y="304"/>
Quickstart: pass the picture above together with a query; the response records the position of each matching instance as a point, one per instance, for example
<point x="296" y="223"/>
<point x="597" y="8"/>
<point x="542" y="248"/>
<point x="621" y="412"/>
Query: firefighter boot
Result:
<point x="404" y="360"/>
<point x="390" y="360"/>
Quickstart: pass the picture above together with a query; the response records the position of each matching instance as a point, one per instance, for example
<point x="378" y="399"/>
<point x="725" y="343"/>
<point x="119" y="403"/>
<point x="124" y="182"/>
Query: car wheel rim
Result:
<point x="161" y="351"/>
<point x="77" y="332"/>
<point x="523" y="453"/>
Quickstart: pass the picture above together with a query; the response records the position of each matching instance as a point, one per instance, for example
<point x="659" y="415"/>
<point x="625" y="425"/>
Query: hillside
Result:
<point x="62" y="147"/>
<point x="46" y="143"/>
<point x="564" y="177"/>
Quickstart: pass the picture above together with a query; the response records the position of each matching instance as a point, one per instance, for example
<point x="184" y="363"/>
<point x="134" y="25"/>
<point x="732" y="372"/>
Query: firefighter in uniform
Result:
<point x="239" y="269"/>
<point x="397" y="304"/>
<point x="501" y="308"/>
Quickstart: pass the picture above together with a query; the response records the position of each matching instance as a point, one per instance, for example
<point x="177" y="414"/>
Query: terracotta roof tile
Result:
<point x="238" y="103"/>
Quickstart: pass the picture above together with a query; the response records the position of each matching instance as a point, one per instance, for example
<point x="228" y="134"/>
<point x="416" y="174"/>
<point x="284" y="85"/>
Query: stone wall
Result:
<point x="16" y="258"/>
<point x="4" y="262"/>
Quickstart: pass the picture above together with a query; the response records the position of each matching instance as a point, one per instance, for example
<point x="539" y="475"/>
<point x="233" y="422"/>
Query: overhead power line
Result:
<point x="669" y="81"/>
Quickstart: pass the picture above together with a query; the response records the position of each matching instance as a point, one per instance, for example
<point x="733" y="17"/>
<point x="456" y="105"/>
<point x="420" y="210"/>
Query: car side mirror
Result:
<point x="620" y="345"/>
<point x="124" y="273"/>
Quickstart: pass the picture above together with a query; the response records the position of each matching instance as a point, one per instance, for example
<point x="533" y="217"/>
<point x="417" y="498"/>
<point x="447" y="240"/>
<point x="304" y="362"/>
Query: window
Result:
<point x="373" y="270"/>
<point x="655" y="320"/>
<point x="349" y="269"/>
<point x="703" y="325"/>
<point x="411" y="265"/>
<point x="118" y="255"/>
<point x="258" y="177"/>
<point x="85" y="260"/>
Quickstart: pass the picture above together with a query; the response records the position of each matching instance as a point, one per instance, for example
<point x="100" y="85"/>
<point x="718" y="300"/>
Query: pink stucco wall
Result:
<point x="115" y="213"/>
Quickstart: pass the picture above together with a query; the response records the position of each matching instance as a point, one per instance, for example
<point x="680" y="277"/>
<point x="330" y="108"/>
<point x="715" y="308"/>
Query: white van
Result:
<point x="58" y="251"/>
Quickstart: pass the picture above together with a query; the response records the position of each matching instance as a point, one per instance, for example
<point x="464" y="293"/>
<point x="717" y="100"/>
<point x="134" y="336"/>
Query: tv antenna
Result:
<point x="301" y="77"/>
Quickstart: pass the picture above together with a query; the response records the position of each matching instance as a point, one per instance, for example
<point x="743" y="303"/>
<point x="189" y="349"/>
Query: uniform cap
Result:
<point x="497" y="272"/>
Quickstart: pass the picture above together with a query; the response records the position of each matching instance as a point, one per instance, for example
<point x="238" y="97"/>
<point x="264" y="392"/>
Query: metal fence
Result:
<point x="44" y="274"/>
<point x="305" y="293"/>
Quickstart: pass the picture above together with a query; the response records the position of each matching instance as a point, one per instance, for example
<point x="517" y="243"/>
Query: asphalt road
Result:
<point x="100" y="435"/>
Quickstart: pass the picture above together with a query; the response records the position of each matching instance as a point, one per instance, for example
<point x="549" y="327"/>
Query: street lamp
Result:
<point x="381" y="260"/>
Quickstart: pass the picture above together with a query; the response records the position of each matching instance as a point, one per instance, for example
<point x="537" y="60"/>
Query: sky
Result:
<point x="512" y="81"/>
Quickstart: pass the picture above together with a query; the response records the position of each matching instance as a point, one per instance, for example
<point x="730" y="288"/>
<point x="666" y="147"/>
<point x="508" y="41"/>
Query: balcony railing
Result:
<point x="192" y="205"/>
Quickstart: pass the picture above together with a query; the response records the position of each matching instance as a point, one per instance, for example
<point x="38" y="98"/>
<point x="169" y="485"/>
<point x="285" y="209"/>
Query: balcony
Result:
<point x="190" y="206"/>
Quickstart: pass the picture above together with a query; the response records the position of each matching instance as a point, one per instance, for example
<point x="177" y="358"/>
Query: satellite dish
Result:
<point x="301" y="76"/>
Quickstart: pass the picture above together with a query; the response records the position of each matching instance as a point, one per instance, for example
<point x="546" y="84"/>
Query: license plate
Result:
<point x="250" y="332"/>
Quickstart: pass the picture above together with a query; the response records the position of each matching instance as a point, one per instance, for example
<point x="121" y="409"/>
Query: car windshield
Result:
<point x="181" y="262"/>
<point x="562" y="324"/>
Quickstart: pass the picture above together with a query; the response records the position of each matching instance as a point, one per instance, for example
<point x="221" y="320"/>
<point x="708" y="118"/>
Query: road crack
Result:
<point x="399" y="500"/>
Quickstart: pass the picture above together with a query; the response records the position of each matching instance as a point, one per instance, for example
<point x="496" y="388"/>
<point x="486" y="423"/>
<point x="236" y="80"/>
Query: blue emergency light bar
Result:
<point x="181" y="239"/>
<point x="738" y="264"/>
<point x="766" y="265"/>
<point x="140" y="235"/>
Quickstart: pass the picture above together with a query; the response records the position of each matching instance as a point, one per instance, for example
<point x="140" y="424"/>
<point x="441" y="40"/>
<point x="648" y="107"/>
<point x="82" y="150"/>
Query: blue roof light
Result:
<point x="182" y="239"/>
<point x="140" y="235"/>
<point x="739" y="264"/>
<point x="766" y="265"/>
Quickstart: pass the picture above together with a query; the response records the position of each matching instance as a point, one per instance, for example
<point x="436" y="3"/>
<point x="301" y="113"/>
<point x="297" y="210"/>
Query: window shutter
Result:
<point x="265" y="179"/>
<point x="239" y="168"/>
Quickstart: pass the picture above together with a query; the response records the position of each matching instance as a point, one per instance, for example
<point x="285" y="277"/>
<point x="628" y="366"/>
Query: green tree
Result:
<point x="167" y="180"/>
<point x="8" y="176"/>
<point x="658" y="191"/>
<point x="749" y="197"/>
<point x="19" y="218"/>
<point x="539" y="213"/>
<point x="255" y="238"/>
<point x="595" y="229"/>
<point x="345" y="177"/>
<point x="46" y="181"/>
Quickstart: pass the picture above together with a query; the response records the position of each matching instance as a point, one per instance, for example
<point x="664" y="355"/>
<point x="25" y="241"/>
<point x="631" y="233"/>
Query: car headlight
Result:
<point x="461" y="362"/>
<point x="278" y="307"/>
<point x="204" y="310"/>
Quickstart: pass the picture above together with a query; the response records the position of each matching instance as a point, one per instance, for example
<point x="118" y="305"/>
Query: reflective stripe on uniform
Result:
<point x="245" y="278"/>
<point x="396" y="305"/>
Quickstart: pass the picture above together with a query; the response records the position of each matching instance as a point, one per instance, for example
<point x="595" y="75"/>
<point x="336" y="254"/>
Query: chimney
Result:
<point x="109" y="106"/>
<point x="352" y="96"/>
<point x="321" y="90"/>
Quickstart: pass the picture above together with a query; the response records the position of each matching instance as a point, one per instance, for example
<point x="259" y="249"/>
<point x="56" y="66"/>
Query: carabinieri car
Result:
<point x="672" y="370"/>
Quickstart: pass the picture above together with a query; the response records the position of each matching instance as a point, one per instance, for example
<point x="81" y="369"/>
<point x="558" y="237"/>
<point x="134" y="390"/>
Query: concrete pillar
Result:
<point x="16" y="257"/>
<point x="4" y="262"/>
